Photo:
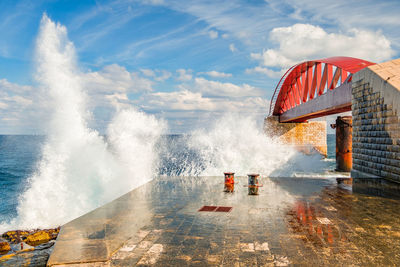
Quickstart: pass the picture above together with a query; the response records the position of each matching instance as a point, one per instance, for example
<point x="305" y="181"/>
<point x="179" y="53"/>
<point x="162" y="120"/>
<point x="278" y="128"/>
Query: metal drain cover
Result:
<point x="215" y="208"/>
<point x="208" y="208"/>
<point x="223" y="209"/>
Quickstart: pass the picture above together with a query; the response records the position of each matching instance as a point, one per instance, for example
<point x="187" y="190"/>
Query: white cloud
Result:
<point x="3" y="105"/>
<point x="251" y="23"/>
<point x="21" y="108"/>
<point x="269" y="72"/>
<point x="184" y="75"/>
<point x="227" y="90"/>
<point x="148" y="72"/>
<point x="302" y="42"/>
<point x="158" y="75"/>
<point x="225" y="35"/>
<point x="342" y="12"/>
<point x="153" y="2"/>
<point x="199" y="99"/>
<point x="195" y="102"/>
<point x="232" y="48"/>
<point x="12" y="87"/>
<point x="109" y="88"/>
<point x="115" y="78"/>
<point x="186" y="100"/>
<point x="165" y="75"/>
<point x="15" y="96"/>
<point x="114" y="101"/>
<point x="213" y="34"/>
<point x="21" y="101"/>
<point x="180" y="100"/>
<point x="217" y="74"/>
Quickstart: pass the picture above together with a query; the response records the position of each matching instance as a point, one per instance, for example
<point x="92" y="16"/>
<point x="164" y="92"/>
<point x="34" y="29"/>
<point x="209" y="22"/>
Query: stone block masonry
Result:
<point x="376" y="128"/>
<point x="307" y="137"/>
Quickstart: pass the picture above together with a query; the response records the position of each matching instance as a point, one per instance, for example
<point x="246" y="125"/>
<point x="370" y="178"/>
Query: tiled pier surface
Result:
<point x="293" y="221"/>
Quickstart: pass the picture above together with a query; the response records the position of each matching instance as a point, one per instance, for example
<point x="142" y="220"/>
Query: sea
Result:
<point x="20" y="157"/>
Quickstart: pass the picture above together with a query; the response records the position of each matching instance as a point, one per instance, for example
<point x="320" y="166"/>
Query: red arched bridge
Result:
<point x="315" y="88"/>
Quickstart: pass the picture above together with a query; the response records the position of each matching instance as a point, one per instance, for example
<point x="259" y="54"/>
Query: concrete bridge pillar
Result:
<point x="308" y="137"/>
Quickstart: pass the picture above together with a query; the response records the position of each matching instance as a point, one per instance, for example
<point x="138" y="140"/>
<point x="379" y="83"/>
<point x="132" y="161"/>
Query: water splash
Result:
<point x="236" y="143"/>
<point x="79" y="170"/>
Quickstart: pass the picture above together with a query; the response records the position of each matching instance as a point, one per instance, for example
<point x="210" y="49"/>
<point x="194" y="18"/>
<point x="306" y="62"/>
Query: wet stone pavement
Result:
<point x="293" y="221"/>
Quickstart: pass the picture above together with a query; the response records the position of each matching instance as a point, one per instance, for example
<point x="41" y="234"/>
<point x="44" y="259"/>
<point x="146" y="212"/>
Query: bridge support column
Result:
<point x="344" y="133"/>
<point x="308" y="137"/>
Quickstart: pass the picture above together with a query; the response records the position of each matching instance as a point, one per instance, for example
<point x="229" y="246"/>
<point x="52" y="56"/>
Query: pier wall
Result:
<point x="308" y="137"/>
<point x="376" y="129"/>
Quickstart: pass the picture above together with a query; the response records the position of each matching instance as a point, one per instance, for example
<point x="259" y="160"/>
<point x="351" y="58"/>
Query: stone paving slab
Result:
<point x="293" y="221"/>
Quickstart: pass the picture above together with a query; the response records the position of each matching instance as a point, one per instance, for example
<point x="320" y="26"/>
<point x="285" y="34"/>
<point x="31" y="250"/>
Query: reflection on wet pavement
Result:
<point x="293" y="221"/>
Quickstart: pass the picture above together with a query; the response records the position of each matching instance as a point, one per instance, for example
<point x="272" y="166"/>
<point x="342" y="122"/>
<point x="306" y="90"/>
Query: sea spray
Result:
<point x="134" y="140"/>
<point x="235" y="142"/>
<point x="79" y="170"/>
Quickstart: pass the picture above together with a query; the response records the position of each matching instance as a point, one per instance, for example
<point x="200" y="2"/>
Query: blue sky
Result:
<point x="184" y="61"/>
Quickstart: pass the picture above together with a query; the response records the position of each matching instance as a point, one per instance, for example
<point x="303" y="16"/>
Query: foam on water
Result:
<point x="79" y="170"/>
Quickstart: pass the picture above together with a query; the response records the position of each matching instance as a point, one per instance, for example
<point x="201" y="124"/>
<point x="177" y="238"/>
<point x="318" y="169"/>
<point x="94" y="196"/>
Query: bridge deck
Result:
<point x="332" y="102"/>
<point x="292" y="221"/>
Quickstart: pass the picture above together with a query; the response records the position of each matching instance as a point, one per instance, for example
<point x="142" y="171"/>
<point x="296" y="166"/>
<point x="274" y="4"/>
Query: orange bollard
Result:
<point x="344" y="134"/>
<point x="229" y="182"/>
<point x="330" y="235"/>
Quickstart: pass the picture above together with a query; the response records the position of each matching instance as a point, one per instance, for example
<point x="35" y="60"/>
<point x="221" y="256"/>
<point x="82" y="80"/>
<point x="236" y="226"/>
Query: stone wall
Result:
<point x="376" y="129"/>
<point x="308" y="137"/>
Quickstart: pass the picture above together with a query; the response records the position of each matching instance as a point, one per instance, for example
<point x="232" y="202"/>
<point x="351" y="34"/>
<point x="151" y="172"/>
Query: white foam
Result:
<point x="236" y="143"/>
<point x="79" y="170"/>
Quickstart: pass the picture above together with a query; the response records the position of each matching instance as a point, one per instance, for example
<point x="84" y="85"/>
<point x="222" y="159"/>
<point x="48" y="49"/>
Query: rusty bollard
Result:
<point x="253" y="184"/>
<point x="229" y="182"/>
<point x="344" y="134"/>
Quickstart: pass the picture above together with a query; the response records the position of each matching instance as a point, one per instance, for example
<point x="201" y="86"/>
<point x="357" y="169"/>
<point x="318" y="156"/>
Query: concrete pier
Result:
<point x="292" y="221"/>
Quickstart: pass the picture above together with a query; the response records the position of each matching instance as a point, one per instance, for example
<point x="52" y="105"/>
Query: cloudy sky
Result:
<point x="184" y="61"/>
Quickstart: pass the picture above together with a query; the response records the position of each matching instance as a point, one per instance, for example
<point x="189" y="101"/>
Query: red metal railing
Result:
<point x="277" y="89"/>
<point x="310" y="79"/>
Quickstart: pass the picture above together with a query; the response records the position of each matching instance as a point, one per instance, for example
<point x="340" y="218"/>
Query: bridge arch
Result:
<point x="315" y="88"/>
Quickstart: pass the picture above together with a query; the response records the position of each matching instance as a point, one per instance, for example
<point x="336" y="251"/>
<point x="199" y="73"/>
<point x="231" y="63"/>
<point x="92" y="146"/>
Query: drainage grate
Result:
<point x="216" y="209"/>
<point x="208" y="208"/>
<point x="223" y="209"/>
